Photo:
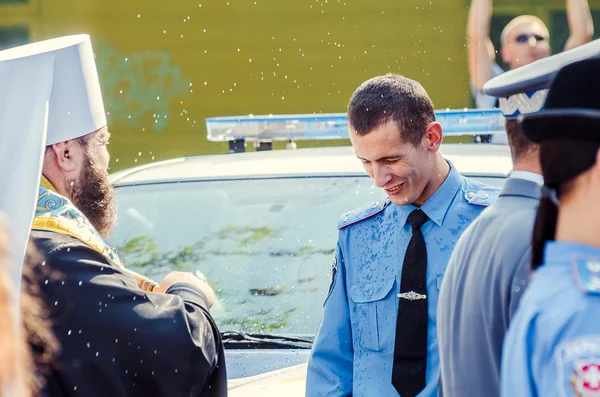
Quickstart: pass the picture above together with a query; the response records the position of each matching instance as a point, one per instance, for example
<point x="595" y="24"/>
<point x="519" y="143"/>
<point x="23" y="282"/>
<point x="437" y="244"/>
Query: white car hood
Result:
<point x="288" y="382"/>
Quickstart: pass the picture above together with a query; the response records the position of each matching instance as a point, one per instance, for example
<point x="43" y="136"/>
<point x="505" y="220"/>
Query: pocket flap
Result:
<point x="371" y="291"/>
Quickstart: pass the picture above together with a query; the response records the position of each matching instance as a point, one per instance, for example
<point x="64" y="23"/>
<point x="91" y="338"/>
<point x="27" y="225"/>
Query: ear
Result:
<point x="64" y="156"/>
<point x="434" y="135"/>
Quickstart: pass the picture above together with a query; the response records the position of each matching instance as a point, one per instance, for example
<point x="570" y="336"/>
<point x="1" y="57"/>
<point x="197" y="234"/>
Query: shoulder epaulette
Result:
<point x="355" y="216"/>
<point x="585" y="271"/>
<point x="485" y="197"/>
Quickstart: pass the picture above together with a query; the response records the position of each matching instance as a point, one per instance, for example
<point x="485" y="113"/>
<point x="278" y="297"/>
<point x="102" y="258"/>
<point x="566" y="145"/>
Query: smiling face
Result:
<point x="400" y="168"/>
<point x="394" y="133"/>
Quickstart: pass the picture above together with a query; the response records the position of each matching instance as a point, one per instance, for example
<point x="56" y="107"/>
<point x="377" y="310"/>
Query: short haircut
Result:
<point x="518" y="142"/>
<point x="391" y="97"/>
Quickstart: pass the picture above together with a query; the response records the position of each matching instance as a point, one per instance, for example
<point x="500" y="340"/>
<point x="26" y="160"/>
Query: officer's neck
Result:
<point x="579" y="221"/>
<point x="529" y="162"/>
<point x="439" y="174"/>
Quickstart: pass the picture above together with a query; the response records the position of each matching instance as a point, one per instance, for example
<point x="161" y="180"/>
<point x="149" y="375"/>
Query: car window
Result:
<point x="266" y="246"/>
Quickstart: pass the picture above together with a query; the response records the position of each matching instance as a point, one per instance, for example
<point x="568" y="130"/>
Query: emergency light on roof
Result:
<point x="335" y="126"/>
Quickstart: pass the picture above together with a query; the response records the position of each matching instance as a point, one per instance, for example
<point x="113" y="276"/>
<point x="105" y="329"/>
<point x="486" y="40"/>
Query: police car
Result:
<point x="261" y="228"/>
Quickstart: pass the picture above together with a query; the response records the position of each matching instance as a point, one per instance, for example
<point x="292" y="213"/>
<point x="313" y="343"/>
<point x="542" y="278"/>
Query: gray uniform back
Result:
<point x="484" y="281"/>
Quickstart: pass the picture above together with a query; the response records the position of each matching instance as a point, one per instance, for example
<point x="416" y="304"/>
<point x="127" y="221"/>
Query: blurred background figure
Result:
<point x="523" y="40"/>
<point x="14" y="352"/>
<point x="27" y="351"/>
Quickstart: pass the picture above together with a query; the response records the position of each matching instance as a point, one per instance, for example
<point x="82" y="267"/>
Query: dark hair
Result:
<point x="391" y="97"/>
<point x="562" y="161"/>
<point x="518" y="142"/>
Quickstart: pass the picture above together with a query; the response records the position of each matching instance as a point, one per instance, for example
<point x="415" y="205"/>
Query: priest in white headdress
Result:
<point x="120" y="334"/>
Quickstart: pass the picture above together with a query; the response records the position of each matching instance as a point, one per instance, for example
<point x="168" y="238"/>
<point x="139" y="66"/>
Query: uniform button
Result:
<point x="375" y="204"/>
<point x="484" y="196"/>
<point x="369" y="292"/>
<point x="471" y="195"/>
<point x="345" y="219"/>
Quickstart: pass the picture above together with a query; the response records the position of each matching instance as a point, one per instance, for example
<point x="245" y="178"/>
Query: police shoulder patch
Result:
<point x="484" y="197"/>
<point x="352" y="217"/>
<point x="578" y="366"/>
<point x="334" y="272"/>
<point x="587" y="274"/>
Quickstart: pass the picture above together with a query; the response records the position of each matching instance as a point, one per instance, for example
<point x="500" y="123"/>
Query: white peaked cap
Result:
<point x="49" y="93"/>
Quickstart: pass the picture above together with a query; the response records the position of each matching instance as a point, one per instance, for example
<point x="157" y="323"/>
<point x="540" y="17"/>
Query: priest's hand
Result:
<point x="189" y="278"/>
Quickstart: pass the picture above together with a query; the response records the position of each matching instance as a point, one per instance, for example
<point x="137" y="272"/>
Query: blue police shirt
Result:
<point x="353" y="351"/>
<point x="552" y="348"/>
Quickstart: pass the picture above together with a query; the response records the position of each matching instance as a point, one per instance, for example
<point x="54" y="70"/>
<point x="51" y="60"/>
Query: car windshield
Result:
<point x="264" y="245"/>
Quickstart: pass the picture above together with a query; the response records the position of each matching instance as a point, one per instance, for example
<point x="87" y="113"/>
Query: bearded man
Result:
<point x="118" y="336"/>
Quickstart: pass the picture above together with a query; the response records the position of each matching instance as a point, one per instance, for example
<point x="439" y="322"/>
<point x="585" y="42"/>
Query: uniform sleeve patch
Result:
<point x="578" y="365"/>
<point x="334" y="272"/>
<point x="483" y="198"/>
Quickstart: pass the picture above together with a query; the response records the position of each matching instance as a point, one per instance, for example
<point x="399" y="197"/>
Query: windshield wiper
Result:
<point x="242" y="340"/>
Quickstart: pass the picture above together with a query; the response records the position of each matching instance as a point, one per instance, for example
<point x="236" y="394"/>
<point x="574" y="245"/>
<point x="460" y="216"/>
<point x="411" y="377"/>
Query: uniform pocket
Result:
<point x="374" y="315"/>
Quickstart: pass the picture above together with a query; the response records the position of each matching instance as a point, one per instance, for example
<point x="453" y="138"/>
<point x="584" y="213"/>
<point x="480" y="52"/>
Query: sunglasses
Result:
<point x="524" y="38"/>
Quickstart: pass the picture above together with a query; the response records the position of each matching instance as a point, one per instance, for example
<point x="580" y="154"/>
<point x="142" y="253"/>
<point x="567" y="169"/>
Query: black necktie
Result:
<point x="410" y="351"/>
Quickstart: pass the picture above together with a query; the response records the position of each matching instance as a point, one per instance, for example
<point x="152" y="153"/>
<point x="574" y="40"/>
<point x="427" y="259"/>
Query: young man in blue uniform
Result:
<point x="378" y="335"/>
<point x="553" y="345"/>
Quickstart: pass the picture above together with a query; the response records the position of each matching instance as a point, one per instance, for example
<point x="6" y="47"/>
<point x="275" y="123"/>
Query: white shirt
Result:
<point x="528" y="176"/>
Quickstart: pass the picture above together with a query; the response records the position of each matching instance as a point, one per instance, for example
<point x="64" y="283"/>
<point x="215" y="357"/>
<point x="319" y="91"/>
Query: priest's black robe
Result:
<point x="117" y="340"/>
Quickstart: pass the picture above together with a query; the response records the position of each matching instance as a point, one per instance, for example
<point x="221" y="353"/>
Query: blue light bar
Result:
<point x="335" y="125"/>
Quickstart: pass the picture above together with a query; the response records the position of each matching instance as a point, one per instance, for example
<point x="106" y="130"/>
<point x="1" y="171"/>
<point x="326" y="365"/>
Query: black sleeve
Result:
<point x="117" y="340"/>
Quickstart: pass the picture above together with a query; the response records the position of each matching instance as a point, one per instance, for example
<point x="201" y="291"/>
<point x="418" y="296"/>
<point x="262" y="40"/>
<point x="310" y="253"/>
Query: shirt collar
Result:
<point x="528" y="176"/>
<point x="438" y="204"/>
<point x="559" y="252"/>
